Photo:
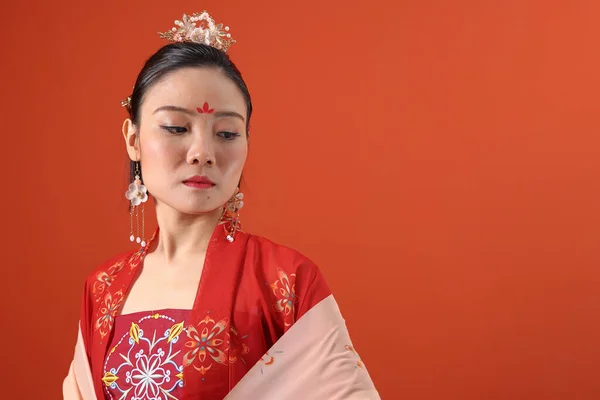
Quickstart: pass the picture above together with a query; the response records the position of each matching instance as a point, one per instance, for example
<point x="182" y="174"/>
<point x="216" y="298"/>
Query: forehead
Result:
<point x="191" y="87"/>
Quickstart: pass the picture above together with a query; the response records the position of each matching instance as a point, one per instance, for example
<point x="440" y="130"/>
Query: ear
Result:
<point x="132" y="142"/>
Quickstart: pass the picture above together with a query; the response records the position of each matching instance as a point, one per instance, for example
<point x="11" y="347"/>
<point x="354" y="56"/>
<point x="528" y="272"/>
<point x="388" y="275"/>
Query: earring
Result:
<point x="137" y="194"/>
<point x="231" y="215"/>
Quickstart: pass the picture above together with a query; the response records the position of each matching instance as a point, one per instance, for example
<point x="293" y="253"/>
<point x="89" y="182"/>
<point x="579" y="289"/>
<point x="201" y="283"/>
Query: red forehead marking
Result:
<point x="205" y="109"/>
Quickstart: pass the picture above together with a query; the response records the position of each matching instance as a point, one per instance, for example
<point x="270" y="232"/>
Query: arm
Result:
<point x="70" y="389"/>
<point x="78" y="385"/>
<point x="314" y="358"/>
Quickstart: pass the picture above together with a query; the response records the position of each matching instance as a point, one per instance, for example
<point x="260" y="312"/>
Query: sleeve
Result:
<point x="311" y="287"/>
<point x="290" y="282"/>
<point x="314" y="358"/>
<point x="70" y="388"/>
<point x="85" y="318"/>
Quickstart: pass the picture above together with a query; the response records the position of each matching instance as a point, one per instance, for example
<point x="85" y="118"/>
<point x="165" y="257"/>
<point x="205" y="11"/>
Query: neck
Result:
<point x="183" y="236"/>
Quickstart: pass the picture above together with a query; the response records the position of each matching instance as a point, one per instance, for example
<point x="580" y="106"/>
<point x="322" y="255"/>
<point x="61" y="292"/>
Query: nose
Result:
<point x="201" y="150"/>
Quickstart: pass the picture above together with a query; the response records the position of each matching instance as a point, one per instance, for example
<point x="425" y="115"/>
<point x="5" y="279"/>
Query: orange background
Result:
<point x="437" y="159"/>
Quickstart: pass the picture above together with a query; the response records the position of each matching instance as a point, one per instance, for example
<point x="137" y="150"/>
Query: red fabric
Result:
<point x="251" y="291"/>
<point x="146" y="355"/>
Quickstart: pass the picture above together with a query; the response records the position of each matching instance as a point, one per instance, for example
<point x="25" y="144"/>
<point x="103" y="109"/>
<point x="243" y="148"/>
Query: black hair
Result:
<point x="175" y="56"/>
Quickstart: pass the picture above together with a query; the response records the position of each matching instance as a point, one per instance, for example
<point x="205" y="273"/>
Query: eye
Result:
<point x="175" y="130"/>
<point x="228" y="135"/>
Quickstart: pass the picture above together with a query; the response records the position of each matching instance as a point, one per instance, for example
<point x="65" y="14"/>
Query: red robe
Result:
<point x="251" y="292"/>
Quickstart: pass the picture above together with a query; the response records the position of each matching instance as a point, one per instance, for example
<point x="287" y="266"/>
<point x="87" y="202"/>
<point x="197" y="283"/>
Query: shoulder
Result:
<point x="288" y="270"/>
<point x="271" y="253"/>
<point x="111" y="265"/>
<point x="267" y="247"/>
<point x="98" y="286"/>
<point x="105" y="274"/>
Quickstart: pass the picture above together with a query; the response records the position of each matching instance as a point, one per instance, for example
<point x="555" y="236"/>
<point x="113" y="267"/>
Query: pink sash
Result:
<point x="314" y="359"/>
<point x="78" y="384"/>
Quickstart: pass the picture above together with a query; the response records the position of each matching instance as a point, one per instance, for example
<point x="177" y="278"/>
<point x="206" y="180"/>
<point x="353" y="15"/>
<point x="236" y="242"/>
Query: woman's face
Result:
<point x="192" y="129"/>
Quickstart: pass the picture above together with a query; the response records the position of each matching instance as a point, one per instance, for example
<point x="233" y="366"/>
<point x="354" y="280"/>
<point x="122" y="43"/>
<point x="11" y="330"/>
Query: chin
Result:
<point x="197" y="209"/>
<point x="194" y="205"/>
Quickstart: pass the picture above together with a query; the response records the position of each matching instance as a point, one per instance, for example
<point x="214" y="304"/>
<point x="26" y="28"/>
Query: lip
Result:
<point x="199" y="182"/>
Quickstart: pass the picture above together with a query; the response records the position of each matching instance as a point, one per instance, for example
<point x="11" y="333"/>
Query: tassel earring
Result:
<point x="137" y="194"/>
<point x="231" y="215"/>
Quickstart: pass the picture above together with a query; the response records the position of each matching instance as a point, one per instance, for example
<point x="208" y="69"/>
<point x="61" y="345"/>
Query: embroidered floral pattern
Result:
<point x="359" y="363"/>
<point x="267" y="360"/>
<point x="105" y="278"/>
<point x="148" y="376"/>
<point x="284" y="289"/>
<point x="209" y="338"/>
<point x="238" y="349"/>
<point x="148" y="367"/>
<point x="107" y="312"/>
<point x="213" y="341"/>
<point x="136" y="259"/>
<point x="110" y="303"/>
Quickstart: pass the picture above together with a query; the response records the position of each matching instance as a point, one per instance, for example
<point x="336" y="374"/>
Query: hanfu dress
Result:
<point x="264" y="325"/>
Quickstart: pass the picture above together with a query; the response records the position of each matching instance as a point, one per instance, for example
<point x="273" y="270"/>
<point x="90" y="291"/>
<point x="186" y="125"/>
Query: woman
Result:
<point x="204" y="310"/>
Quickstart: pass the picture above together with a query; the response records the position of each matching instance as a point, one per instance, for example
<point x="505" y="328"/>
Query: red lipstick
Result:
<point x="199" y="182"/>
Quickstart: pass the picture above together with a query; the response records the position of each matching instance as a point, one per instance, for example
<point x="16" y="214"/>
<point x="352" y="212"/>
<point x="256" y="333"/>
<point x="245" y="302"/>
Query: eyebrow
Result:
<point x="173" y="108"/>
<point x="221" y="114"/>
<point x="218" y="114"/>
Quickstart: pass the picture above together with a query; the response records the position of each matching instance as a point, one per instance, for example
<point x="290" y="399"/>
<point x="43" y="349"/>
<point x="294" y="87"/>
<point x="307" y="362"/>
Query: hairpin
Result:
<point x="205" y="31"/>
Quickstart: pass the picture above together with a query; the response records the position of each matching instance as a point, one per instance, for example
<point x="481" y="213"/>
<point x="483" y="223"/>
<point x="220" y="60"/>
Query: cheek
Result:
<point x="236" y="158"/>
<point x="156" y="152"/>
